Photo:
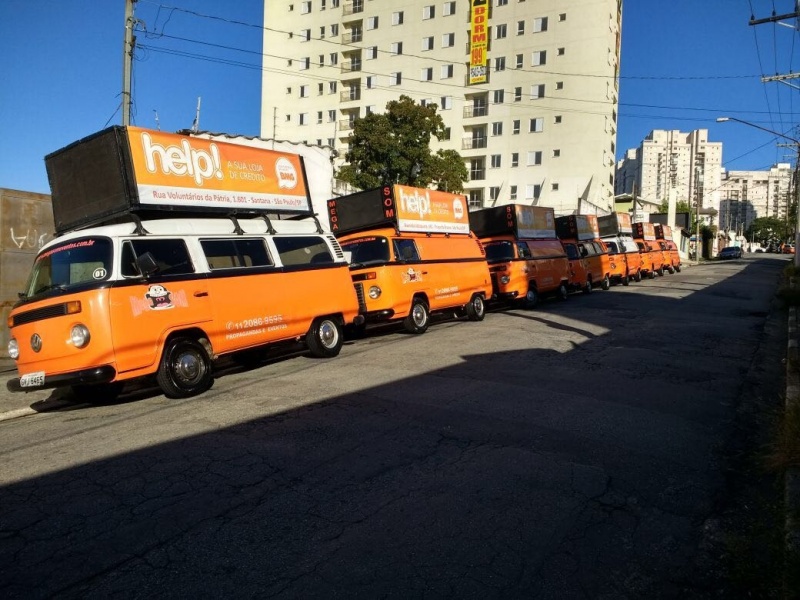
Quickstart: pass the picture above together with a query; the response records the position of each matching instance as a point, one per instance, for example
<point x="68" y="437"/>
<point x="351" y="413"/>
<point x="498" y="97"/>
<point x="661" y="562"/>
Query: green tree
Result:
<point x="394" y="147"/>
<point x="769" y="229"/>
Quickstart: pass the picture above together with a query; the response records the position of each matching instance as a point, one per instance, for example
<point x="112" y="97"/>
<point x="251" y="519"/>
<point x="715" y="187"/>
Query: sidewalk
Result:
<point x="14" y="406"/>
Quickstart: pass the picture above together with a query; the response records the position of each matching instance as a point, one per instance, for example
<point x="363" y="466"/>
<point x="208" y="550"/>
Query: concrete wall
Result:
<point x="26" y="224"/>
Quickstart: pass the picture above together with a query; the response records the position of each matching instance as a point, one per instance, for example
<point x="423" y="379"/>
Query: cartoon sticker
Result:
<point x="412" y="275"/>
<point x="160" y="297"/>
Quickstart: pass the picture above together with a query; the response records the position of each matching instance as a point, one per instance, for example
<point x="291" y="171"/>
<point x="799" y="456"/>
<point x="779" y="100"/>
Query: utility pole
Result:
<point x="127" y="62"/>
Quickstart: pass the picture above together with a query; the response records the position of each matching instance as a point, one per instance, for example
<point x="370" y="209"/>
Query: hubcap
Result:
<point x="188" y="367"/>
<point x="418" y="314"/>
<point x="328" y="334"/>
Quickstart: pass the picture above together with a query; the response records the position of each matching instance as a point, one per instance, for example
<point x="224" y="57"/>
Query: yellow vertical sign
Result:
<point x="478" y="41"/>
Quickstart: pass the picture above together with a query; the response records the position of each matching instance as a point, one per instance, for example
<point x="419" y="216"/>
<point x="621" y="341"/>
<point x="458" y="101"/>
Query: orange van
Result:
<point x="136" y="297"/>
<point x="644" y="234"/>
<point x="588" y="256"/>
<point x="671" y="255"/>
<point x="411" y="254"/>
<point x="525" y="257"/>
<point x="616" y="231"/>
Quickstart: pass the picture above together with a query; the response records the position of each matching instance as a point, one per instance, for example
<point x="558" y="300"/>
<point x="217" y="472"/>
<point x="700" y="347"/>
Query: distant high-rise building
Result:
<point x="673" y="165"/>
<point x="748" y="195"/>
<point x="527" y="90"/>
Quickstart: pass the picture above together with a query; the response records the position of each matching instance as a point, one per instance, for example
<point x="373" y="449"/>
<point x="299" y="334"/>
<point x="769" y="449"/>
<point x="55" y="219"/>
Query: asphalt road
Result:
<point x="579" y="450"/>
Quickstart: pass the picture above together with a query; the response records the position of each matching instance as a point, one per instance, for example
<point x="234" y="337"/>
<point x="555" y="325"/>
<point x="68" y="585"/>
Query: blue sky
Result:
<point x="684" y="63"/>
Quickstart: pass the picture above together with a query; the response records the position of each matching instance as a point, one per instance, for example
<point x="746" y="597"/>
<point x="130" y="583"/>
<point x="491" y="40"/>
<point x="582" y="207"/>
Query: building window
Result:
<point x="332" y="87"/>
<point x="427" y="43"/>
<point x="321" y="60"/>
<point x="519" y="61"/>
<point x="447" y="71"/>
<point x="305" y="63"/>
<point x="446" y="135"/>
<point x="320" y="89"/>
<point x="477" y="170"/>
<point x="395" y="78"/>
<point x="532" y="192"/>
<point x="560" y="51"/>
<point x="537" y="91"/>
<point x="520" y="27"/>
<point x="322" y="32"/>
<point x="331" y="116"/>
<point x="536" y="125"/>
<point x="515" y="125"/>
<point x="303" y="119"/>
<point x="449" y="8"/>
<point x="562" y="17"/>
<point x="288" y="90"/>
<point x="427" y="74"/>
<point x="397" y="18"/>
<point x="502" y="2"/>
<point x="305" y="8"/>
<point x="500" y="31"/>
<point x="497" y="128"/>
<point x="319" y="117"/>
<point x="512" y="192"/>
<point x="517" y="94"/>
<point x="334" y="30"/>
<point x="534" y="158"/>
<point x="446" y="103"/>
<point x="515" y="159"/>
<point x="540" y="25"/>
<point x="500" y="63"/>
<point x="372" y="22"/>
<point x="498" y="96"/>
<point x="306" y="35"/>
<point x="494" y="192"/>
<point x="539" y="58"/>
<point x="334" y="58"/>
<point x="370" y="81"/>
<point x="556" y="153"/>
<point x="428" y="12"/>
<point x="397" y="48"/>
<point x="496" y="161"/>
<point x="372" y="53"/>
<point x="557" y="119"/>
<point x="448" y="40"/>
<point x="554" y="187"/>
<point x="370" y="110"/>
<point x="304" y="91"/>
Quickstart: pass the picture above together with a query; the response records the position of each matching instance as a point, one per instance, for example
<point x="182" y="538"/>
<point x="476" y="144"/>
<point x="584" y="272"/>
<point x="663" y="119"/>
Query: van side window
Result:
<point x="171" y="256"/>
<point x="572" y="251"/>
<point x="302" y="250"/>
<point x="524" y="251"/>
<point x="612" y="247"/>
<point x="235" y="253"/>
<point x="405" y="250"/>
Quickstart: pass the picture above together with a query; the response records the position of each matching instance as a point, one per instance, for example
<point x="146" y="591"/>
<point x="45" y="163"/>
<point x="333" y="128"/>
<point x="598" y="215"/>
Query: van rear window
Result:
<point x="235" y="253"/>
<point x="302" y="250"/>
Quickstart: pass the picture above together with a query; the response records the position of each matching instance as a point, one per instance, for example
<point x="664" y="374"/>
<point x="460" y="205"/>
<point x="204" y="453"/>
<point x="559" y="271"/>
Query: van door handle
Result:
<point x="200" y="294"/>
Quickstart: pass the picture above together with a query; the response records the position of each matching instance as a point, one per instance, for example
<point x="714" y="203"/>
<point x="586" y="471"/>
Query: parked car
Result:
<point x="730" y="252"/>
<point x="788" y="249"/>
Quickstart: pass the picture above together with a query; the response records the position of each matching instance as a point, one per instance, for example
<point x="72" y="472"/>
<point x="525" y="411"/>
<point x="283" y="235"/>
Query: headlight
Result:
<point x="374" y="292"/>
<point x="13" y="348"/>
<point x="79" y="335"/>
<point x="505" y="279"/>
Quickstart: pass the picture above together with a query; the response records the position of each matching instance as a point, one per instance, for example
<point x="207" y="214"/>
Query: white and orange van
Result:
<point x="616" y="231"/>
<point x="411" y="254"/>
<point x="664" y="239"/>
<point x="525" y="257"/>
<point x="588" y="256"/>
<point x="167" y="295"/>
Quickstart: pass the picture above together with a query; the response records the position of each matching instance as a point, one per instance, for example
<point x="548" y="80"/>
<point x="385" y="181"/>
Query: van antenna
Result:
<point x="158" y="125"/>
<point x="196" y="124"/>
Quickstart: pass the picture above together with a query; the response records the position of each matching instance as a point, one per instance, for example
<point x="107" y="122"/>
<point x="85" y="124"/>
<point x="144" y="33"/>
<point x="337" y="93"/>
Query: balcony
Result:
<point x="350" y="95"/>
<point x="475" y="111"/>
<point x="473" y="143"/>
<point x="352" y="8"/>
<point x="351" y="66"/>
<point x="352" y="37"/>
<point x="346" y="124"/>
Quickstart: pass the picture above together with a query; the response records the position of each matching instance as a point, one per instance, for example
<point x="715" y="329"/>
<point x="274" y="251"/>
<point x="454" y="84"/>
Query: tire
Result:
<point x="660" y="271"/>
<point x="587" y="289"/>
<point x="638" y="276"/>
<point x="99" y="392"/>
<point x="325" y="337"/>
<point x="476" y="309"/>
<point x="671" y="270"/>
<point x="531" y="298"/>
<point x="418" y="317"/>
<point x="678" y="268"/>
<point x="651" y="274"/>
<point x="185" y="369"/>
<point x="626" y="280"/>
<point x="563" y="292"/>
<point x="606" y="283"/>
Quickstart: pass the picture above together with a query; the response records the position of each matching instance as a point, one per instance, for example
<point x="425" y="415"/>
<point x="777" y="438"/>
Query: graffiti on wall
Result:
<point x="30" y="239"/>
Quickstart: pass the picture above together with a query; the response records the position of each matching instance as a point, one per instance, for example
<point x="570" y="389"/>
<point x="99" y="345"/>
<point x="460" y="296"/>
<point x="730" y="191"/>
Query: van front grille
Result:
<point x="362" y="305"/>
<point x="39" y="314"/>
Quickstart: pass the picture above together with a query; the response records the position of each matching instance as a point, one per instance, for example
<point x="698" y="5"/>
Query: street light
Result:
<point x="796" y="143"/>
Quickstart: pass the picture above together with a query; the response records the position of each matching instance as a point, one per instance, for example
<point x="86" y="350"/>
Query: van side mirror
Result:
<point x="146" y="264"/>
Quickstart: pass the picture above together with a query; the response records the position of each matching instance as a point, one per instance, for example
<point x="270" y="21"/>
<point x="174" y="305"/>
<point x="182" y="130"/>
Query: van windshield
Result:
<point x="496" y="251"/>
<point x="69" y="264"/>
<point x="367" y="250"/>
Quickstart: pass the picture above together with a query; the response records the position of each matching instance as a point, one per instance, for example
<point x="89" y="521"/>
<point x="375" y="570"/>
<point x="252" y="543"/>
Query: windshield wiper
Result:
<point x="51" y="286"/>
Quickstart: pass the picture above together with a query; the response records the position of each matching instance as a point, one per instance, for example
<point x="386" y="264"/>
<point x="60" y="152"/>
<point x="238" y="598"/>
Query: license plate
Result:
<point x="32" y="379"/>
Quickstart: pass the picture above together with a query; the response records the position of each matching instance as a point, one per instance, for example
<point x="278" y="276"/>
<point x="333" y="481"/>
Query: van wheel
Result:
<point x="563" y="292"/>
<point x="671" y="270"/>
<point x="638" y="276"/>
<point x="606" y="284"/>
<point x="417" y="319"/>
<point x="325" y="337"/>
<point x="531" y="298"/>
<point x="678" y="268"/>
<point x="625" y="279"/>
<point x="587" y="289"/>
<point x="660" y="271"/>
<point x="185" y="369"/>
<point x="476" y="309"/>
<point x="98" y="392"/>
<point x="651" y="274"/>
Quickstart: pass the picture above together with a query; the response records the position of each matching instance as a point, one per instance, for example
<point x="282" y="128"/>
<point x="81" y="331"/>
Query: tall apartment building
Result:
<point x="527" y="89"/>
<point x="748" y="195"/>
<point x="673" y="165"/>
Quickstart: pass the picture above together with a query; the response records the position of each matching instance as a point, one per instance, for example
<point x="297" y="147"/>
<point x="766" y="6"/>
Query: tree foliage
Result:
<point x="769" y="229"/>
<point x="394" y="147"/>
